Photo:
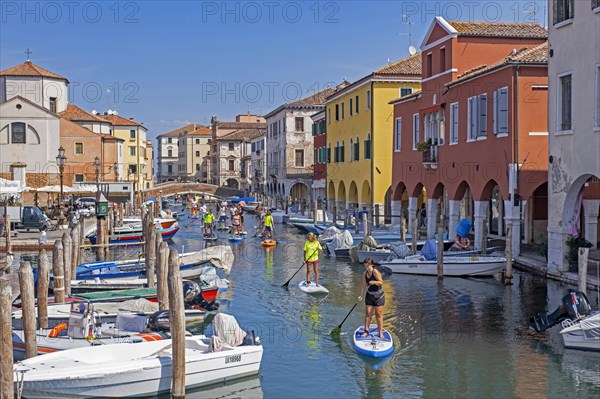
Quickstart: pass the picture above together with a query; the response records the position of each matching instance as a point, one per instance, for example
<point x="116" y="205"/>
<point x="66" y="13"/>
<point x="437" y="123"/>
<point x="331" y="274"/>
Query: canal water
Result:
<point x="456" y="338"/>
<point x="461" y="337"/>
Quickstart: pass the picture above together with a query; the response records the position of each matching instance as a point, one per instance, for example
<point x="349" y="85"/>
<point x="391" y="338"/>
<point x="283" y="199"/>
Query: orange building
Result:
<point x="473" y="142"/>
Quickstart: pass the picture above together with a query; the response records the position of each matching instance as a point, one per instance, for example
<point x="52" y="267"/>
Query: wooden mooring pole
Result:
<point x="28" y="308"/>
<point x="582" y="260"/>
<point x="58" y="271"/>
<point x="67" y="248"/>
<point x="75" y="249"/>
<point x="6" y="346"/>
<point x="42" y="288"/>
<point x="440" y="249"/>
<point x="177" y="320"/>
<point x="7" y="231"/>
<point x="508" y="255"/>
<point x="150" y="252"/>
<point x="414" y="234"/>
<point x="162" y="270"/>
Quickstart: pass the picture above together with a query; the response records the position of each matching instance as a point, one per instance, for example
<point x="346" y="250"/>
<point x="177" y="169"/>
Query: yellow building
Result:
<point x="136" y="159"/>
<point x="360" y="136"/>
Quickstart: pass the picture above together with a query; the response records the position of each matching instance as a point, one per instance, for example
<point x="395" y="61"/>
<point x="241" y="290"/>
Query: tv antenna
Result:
<point x="407" y="20"/>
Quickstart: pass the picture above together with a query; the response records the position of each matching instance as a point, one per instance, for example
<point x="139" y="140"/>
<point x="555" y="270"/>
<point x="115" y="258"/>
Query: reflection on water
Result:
<point x="454" y="338"/>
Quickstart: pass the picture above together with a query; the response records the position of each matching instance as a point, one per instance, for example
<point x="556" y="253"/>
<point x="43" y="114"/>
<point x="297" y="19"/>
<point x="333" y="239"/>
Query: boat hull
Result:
<point x="456" y="266"/>
<point x="145" y="374"/>
<point x="583" y="334"/>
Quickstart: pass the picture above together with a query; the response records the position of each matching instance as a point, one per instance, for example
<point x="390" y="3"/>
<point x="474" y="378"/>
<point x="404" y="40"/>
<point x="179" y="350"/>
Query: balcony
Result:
<point x="430" y="157"/>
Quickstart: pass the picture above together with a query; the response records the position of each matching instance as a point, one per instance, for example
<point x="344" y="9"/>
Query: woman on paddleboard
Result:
<point x="311" y="257"/>
<point x="374" y="297"/>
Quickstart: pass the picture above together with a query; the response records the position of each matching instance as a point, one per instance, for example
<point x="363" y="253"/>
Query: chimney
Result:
<point x="131" y="118"/>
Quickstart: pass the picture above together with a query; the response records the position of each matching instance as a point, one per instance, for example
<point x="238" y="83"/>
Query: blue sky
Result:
<point x="170" y="63"/>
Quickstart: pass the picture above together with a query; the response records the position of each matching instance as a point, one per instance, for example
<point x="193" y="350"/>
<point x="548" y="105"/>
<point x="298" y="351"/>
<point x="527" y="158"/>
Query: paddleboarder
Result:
<point x="374" y="298"/>
<point x="222" y="216"/>
<point x="311" y="257"/>
<point x="209" y="218"/>
<point x="268" y="226"/>
<point x="236" y="224"/>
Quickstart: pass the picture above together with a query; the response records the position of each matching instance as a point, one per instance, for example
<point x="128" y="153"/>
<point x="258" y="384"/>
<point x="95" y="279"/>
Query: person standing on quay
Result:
<point x="374" y="297"/>
<point x="311" y="257"/>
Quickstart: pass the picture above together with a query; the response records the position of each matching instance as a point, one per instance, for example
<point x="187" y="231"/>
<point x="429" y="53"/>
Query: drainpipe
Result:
<point x="516" y="148"/>
<point x="372" y="145"/>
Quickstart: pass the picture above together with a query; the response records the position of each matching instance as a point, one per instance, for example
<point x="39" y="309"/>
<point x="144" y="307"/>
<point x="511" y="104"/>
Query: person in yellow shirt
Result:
<point x="268" y="226"/>
<point x="209" y="218"/>
<point x="311" y="257"/>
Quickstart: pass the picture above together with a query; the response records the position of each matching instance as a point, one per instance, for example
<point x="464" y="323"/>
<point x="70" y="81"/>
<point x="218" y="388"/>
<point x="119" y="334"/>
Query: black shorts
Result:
<point x="370" y="300"/>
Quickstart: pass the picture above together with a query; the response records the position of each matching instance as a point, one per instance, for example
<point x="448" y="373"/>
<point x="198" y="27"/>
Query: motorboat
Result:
<point x="137" y="369"/>
<point x="580" y="325"/>
<point x="382" y="254"/>
<point x="135" y="236"/>
<point x="455" y="266"/>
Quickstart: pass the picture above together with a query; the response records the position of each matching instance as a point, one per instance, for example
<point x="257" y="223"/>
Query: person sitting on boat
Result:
<point x="208" y="223"/>
<point x="311" y="257"/>
<point x="236" y="224"/>
<point x="268" y="226"/>
<point x="374" y="297"/>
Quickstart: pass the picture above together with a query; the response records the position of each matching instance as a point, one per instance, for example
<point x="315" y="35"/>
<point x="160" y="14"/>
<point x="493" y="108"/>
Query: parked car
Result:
<point x="86" y="202"/>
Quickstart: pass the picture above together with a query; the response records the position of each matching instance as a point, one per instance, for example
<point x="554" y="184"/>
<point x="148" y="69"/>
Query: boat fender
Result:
<point x="458" y="242"/>
<point x="57" y="329"/>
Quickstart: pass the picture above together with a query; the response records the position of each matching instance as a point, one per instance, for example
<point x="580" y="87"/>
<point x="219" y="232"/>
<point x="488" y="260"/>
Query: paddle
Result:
<point x="301" y="266"/>
<point x="338" y="329"/>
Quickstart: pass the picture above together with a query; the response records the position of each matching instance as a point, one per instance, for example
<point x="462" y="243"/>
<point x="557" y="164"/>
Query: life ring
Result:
<point x="57" y="329"/>
<point x="466" y="245"/>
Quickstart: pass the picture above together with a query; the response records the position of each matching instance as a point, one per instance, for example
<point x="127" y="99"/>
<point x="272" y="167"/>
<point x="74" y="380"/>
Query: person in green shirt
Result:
<point x="311" y="257"/>
<point x="209" y="218"/>
<point x="268" y="226"/>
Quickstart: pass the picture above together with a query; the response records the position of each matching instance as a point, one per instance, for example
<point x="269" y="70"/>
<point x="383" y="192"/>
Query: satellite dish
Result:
<point x="412" y="50"/>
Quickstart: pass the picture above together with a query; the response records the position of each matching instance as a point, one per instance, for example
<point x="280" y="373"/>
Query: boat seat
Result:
<point x="131" y="322"/>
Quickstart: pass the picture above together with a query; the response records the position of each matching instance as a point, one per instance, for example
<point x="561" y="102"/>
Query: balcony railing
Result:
<point x="430" y="157"/>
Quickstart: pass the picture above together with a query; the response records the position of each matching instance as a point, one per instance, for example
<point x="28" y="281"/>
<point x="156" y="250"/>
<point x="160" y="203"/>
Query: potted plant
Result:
<point x="574" y="243"/>
<point x="423" y="145"/>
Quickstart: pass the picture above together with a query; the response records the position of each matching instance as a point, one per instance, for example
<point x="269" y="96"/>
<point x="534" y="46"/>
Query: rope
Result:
<point x="20" y="384"/>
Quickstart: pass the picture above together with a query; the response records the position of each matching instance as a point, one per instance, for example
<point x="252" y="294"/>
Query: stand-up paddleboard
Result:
<point x="312" y="288"/>
<point x="209" y="238"/>
<point x="223" y="228"/>
<point x="236" y="239"/>
<point x="268" y="243"/>
<point x="373" y="345"/>
<point x="244" y="233"/>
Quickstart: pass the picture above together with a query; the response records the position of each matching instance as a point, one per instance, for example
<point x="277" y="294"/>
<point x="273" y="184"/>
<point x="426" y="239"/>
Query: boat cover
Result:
<point x="227" y="328"/>
<point x="429" y="250"/>
<point x="399" y="250"/>
<point x="340" y="241"/>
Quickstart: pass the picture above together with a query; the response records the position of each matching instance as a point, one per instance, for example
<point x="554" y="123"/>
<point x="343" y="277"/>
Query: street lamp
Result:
<point x="61" y="160"/>
<point x="97" y="166"/>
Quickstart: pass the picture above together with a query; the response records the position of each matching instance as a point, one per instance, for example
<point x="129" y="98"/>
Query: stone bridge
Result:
<point x="170" y="188"/>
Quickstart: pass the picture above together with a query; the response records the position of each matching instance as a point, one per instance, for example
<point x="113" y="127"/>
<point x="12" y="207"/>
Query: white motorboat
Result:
<point x="382" y="254"/>
<point x="136" y="370"/>
<point x="455" y="266"/>
<point x="582" y="333"/>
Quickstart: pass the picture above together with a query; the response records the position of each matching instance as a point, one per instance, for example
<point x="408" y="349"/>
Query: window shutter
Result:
<point x="482" y="115"/>
<point x="503" y="110"/>
<point x="495" y="116"/>
<point x="455" y="123"/>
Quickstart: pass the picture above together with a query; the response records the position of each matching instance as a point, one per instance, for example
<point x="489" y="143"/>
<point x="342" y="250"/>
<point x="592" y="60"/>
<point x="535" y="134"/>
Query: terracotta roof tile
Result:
<point x="499" y="29"/>
<point x="74" y="113"/>
<point x="243" y="135"/>
<point x="174" y="133"/>
<point x="28" y="68"/>
<point x="406" y="66"/>
<point x="201" y="131"/>
<point x="71" y="129"/>
<point x="120" y="121"/>
<point x="532" y="55"/>
<point x="314" y="99"/>
<point x="241" y="125"/>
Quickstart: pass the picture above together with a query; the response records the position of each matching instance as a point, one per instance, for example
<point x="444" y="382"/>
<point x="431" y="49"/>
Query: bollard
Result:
<point x="414" y="236"/>
<point x="42" y="288"/>
<point x="582" y="260"/>
<point x="67" y="247"/>
<point x="162" y="269"/>
<point x="177" y="320"/>
<point x="150" y="252"/>
<point x="6" y="345"/>
<point x="28" y="308"/>
<point x="58" y="271"/>
<point x="508" y="254"/>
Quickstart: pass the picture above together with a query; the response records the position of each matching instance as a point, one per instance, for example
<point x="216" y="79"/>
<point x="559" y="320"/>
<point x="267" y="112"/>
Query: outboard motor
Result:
<point x="159" y="321"/>
<point x="573" y="306"/>
<point x="192" y="296"/>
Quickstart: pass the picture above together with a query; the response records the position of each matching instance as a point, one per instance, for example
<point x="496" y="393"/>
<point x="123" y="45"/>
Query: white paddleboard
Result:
<point x="373" y="345"/>
<point x="313" y="288"/>
<point x="209" y="238"/>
